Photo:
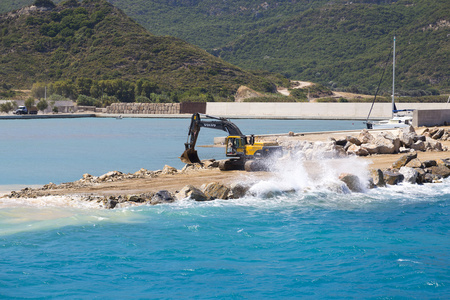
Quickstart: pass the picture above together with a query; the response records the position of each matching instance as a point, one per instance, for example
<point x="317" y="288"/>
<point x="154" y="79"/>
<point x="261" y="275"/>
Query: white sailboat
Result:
<point x="400" y="118"/>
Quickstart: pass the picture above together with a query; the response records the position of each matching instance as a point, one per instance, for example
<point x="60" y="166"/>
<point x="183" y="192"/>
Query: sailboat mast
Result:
<point x="393" y="81"/>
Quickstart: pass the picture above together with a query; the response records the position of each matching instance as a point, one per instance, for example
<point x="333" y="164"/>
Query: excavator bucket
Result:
<point x="190" y="156"/>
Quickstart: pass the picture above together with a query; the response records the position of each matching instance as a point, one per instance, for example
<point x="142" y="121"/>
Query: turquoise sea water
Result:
<point x="313" y="242"/>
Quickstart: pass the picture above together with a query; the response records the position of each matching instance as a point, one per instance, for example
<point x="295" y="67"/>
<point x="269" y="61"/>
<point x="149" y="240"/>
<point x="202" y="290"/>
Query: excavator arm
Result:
<point x="189" y="155"/>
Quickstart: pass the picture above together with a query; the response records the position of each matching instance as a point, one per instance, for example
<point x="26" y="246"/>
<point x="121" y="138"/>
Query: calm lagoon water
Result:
<point x="62" y="150"/>
<point x="314" y="242"/>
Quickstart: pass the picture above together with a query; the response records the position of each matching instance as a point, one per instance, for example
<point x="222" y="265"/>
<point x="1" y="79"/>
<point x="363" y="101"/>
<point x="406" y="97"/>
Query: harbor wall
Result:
<point x="431" y="117"/>
<point x="143" y="108"/>
<point x="156" y="108"/>
<point x="349" y="111"/>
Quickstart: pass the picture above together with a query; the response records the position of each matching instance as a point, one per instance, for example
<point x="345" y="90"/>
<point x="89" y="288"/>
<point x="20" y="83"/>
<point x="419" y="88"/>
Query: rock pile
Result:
<point x="213" y="191"/>
<point x="144" y="108"/>
<point x="386" y="142"/>
<point x="407" y="169"/>
<point x="410" y="169"/>
<point x="402" y="141"/>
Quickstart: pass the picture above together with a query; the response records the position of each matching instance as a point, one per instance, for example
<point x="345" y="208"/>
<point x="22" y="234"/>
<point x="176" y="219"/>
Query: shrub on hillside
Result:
<point x="42" y="105"/>
<point x="86" y="101"/>
<point x="44" y="3"/>
<point x="8" y="106"/>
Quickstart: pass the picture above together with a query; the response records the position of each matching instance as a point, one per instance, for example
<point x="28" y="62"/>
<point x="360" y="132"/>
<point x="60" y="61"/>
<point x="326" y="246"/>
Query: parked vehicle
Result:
<point x="22" y="110"/>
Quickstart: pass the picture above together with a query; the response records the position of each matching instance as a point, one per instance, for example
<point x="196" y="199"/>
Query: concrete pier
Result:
<point x="425" y="114"/>
<point x="305" y="110"/>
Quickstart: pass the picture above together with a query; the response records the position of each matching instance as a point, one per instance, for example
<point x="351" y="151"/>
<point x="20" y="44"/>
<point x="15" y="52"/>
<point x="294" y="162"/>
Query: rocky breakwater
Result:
<point x="400" y="141"/>
<point x="408" y="168"/>
<point x="204" y="182"/>
<point x="83" y="189"/>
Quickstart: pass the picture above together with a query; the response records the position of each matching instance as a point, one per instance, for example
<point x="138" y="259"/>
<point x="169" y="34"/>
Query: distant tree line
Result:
<point x="102" y="93"/>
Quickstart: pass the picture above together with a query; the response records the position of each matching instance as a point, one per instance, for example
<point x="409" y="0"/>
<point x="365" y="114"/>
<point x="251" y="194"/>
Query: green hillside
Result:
<point x="93" y="40"/>
<point x="346" y="46"/>
<point x="10" y="5"/>
<point x="341" y="44"/>
<point x="338" y="43"/>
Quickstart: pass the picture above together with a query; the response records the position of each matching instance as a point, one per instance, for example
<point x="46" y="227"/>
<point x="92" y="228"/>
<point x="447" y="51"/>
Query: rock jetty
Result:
<point x="407" y="168"/>
<point x="372" y="143"/>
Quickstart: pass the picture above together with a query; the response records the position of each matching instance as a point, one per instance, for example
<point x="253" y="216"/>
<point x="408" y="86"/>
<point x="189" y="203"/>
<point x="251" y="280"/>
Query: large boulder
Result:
<point x="409" y="129"/>
<point x="191" y="167"/>
<point x="111" y="203"/>
<point x="406" y="139"/>
<point x="357" y="150"/>
<point x="409" y="174"/>
<point x="440" y="170"/>
<point x="168" y="170"/>
<point x="414" y="163"/>
<point x="135" y="198"/>
<point x="144" y="173"/>
<point x="215" y="190"/>
<point x="429" y="163"/>
<point x="238" y="190"/>
<point x="420" y="138"/>
<point x="110" y="176"/>
<point x="418" y="146"/>
<point x="378" y="178"/>
<point x="162" y="197"/>
<point x="370" y="148"/>
<point x="387" y="143"/>
<point x="433" y="145"/>
<point x="352" y="181"/>
<point x="443" y="162"/>
<point x="353" y="140"/>
<point x="392" y="177"/>
<point x="191" y="192"/>
<point x="210" y="163"/>
<point x="437" y="134"/>
<point x="342" y="141"/>
<point x="402" y="161"/>
<point x="365" y="136"/>
<point x="420" y="175"/>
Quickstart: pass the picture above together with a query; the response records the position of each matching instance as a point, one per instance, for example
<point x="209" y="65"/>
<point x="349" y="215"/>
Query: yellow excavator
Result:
<point x="243" y="152"/>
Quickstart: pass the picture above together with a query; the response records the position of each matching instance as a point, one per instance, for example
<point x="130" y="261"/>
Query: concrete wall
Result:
<point x="352" y="111"/>
<point x="431" y="117"/>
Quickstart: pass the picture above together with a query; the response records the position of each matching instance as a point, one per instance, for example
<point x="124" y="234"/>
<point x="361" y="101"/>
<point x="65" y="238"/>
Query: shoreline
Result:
<point x="320" y="153"/>
<point x="143" y="185"/>
<point x="173" y="116"/>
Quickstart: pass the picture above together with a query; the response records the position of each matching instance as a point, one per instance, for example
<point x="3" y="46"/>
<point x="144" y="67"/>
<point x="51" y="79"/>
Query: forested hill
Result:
<point x="94" y="40"/>
<point x="342" y="44"/>
<point x="346" y="46"/>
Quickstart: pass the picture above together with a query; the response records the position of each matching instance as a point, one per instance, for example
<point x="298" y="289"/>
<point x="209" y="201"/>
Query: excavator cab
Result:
<point x="235" y="146"/>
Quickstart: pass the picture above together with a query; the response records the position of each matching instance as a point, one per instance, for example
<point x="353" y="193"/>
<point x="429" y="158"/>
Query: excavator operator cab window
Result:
<point x="235" y="146"/>
<point x="231" y="146"/>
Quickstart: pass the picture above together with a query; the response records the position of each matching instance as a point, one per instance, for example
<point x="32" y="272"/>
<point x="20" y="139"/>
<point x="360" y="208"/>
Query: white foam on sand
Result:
<point x="50" y="212"/>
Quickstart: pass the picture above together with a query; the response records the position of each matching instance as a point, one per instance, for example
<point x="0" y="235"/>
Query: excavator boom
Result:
<point x="189" y="155"/>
